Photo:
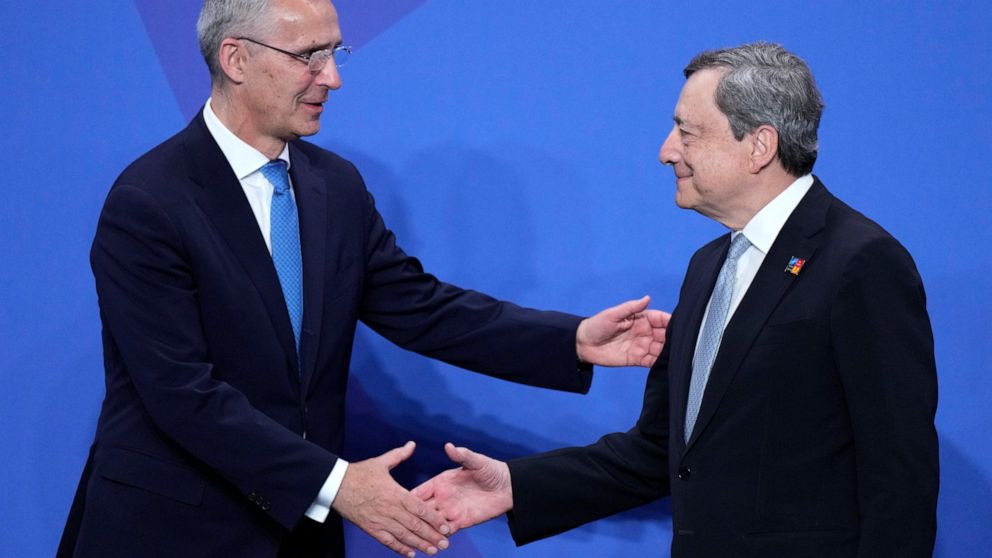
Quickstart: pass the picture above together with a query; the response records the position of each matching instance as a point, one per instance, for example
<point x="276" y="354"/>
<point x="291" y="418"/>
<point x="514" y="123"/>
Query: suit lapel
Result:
<point x="311" y="203"/>
<point x="798" y="238"/>
<point x="222" y="199"/>
<point x="699" y="284"/>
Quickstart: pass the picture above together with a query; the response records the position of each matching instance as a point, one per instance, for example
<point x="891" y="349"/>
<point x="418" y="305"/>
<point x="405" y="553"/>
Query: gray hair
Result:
<point x="220" y="19"/>
<point x="765" y="84"/>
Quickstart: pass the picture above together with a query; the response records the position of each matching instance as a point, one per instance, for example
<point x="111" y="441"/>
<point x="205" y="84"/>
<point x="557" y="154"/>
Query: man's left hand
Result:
<point x="628" y="334"/>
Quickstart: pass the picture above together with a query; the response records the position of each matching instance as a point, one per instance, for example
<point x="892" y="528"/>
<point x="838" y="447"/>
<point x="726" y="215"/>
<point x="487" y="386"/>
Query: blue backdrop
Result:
<point x="512" y="146"/>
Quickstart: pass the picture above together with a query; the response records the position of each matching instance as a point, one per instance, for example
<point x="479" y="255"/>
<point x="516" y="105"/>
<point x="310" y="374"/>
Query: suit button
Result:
<point x="684" y="473"/>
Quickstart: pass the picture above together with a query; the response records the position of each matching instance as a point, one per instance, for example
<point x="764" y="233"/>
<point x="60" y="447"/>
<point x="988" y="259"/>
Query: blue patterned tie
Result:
<point x="709" y="340"/>
<point x="285" y="230"/>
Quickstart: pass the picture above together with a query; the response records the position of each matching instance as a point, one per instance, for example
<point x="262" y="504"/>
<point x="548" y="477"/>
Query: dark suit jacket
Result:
<point x="210" y="442"/>
<point x="815" y="437"/>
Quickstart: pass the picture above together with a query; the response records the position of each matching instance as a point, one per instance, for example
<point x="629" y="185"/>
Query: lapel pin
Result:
<point x="795" y="265"/>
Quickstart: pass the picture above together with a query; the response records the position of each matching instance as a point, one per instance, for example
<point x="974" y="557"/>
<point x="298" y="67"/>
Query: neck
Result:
<point x="765" y="187"/>
<point x="228" y="110"/>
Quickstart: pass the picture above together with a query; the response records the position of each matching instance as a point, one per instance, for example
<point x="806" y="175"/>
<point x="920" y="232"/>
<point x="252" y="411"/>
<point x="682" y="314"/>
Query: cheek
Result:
<point x="697" y="164"/>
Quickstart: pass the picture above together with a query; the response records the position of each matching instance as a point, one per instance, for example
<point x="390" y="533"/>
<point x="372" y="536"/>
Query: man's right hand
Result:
<point x="377" y="504"/>
<point x="477" y="491"/>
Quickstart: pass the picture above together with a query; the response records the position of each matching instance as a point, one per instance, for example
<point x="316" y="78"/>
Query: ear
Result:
<point x="764" y="148"/>
<point x="233" y="57"/>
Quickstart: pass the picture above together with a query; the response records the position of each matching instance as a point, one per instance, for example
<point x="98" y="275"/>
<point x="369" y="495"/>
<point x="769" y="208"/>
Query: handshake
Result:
<point x="424" y="518"/>
<point x="625" y="335"/>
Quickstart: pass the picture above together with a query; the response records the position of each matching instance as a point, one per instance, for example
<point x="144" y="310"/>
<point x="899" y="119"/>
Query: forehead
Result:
<point x="697" y="102"/>
<point x="306" y="22"/>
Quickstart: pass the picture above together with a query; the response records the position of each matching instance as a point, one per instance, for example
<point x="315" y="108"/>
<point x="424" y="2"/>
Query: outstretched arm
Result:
<point x="477" y="491"/>
<point x="625" y="335"/>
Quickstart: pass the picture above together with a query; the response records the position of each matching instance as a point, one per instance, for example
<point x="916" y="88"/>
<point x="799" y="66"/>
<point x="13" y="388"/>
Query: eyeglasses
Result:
<point x="315" y="60"/>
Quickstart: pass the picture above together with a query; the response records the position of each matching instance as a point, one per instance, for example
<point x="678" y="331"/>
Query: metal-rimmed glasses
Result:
<point x="315" y="60"/>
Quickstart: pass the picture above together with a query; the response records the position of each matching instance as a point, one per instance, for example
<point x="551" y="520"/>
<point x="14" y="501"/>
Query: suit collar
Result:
<point x="798" y="238"/>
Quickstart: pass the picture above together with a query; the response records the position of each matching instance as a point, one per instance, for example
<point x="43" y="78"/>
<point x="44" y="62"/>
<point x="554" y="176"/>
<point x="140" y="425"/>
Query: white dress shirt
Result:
<point x="761" y="231"/>
<point x="247" y="162"/>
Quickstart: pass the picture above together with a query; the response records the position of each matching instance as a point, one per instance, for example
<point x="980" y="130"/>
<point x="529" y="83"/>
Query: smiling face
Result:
<point x="280" y="99"/>
<point x="711" y="167"/>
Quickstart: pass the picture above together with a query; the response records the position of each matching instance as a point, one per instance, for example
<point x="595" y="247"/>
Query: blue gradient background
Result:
<point x="512" y="146"/>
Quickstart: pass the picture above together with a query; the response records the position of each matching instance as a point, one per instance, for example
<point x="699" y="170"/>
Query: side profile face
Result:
<point x="711" y="167"/>
<point x="282" y="99"/>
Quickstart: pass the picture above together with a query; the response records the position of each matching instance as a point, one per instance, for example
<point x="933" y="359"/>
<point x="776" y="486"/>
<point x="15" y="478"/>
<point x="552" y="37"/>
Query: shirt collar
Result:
<point x="764" y="227"/>
<point x="243" y="158"/>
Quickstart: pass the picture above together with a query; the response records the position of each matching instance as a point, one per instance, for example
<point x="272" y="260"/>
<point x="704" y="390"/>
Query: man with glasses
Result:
<point x="232" y="264"/>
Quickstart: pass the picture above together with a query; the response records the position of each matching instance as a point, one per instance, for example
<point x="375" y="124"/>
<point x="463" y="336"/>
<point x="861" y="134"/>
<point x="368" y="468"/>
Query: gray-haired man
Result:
<point x="791" y="411"/>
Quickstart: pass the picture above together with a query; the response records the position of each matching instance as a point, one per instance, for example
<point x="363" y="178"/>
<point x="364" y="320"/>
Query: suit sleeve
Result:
<point x="562" y="489"/>
<point x="148" y="301"/>
<point x="462" y="327"/>
<point x="884" y="351"/>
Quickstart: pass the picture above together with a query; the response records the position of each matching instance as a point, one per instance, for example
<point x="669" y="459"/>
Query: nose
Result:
<point x="670" y="154"/>
<point x="328" y="76"/>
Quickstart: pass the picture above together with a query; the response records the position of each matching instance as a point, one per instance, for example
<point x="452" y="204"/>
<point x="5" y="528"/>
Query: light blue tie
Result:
<point x="285" y="231"/>
<point x="709" y="340"/>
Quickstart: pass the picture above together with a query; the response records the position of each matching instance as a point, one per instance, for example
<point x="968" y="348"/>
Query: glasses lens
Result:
<point x="318" y="60"/>
<point x="341" y="55"/>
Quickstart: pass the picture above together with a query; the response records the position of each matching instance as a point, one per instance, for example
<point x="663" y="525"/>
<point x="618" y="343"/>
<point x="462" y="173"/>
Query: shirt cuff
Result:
<point x="321" y="507"/>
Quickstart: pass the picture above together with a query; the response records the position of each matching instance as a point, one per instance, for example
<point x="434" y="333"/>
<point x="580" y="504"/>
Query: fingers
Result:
<point x="403" y="539"/>
<point x="415" y="529"/>
<point x="425" y="491"/>
<point x="432" y="493"/>
<point x="390" y="542"/>
<point x="657" y="318"/>
<point x="647" y="361"/>
<point x="430" y="518"/>
<point x="404" y="529"/>
<point x="372" y="500"/>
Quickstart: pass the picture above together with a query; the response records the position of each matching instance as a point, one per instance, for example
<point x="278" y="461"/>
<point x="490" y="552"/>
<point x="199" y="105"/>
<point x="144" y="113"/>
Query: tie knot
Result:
<point x="275" y="173"/>
<point x="738" y="246"/>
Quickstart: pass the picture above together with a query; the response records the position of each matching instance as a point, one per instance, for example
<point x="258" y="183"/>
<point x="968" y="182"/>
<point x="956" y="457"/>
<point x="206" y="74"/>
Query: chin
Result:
<point x="304" y="131"/>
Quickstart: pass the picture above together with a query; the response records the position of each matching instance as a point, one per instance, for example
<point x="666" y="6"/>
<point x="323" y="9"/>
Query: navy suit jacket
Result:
<point x="815" y="437"/>
<point x="210" y="442"/>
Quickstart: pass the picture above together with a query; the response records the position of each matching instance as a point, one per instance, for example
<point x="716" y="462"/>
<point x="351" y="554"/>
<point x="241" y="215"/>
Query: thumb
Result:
<point x="629" y="308"/>
<point x="398" y="455"/>
<point x="465" y="457"/>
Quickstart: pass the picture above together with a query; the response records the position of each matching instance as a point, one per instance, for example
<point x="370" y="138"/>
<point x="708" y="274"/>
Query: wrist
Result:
<point x="507" y="500"/>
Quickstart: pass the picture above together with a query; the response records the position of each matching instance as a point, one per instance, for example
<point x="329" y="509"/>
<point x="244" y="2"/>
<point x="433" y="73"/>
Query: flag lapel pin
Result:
<point x="795" y="265"/>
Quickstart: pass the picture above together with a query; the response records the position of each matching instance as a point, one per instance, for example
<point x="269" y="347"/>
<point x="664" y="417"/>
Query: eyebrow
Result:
<point x="325" y="46"/>
<point x="682" y="123"/>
